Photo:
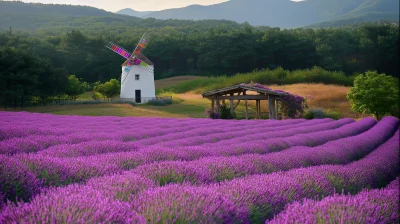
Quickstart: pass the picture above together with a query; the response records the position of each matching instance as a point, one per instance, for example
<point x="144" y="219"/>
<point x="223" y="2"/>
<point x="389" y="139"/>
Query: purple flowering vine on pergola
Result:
<point x="292" y="105"/>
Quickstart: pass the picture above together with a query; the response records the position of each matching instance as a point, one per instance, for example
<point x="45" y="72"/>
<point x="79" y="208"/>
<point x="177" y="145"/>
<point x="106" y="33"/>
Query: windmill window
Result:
<point x="137" y="77"/>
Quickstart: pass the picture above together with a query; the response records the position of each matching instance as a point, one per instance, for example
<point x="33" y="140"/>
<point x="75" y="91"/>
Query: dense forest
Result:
<point x="218" y="50"/>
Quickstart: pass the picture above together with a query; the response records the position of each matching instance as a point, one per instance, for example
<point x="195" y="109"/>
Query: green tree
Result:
<point x="75" y="87"/>
<point x="376" y="94"/>
<point x="109" y="89"/>
<point x="24" y="76"/>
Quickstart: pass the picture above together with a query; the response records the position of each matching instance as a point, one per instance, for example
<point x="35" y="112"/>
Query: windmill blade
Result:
<point x="119" y="50"/>
<point x="143" y="42"/>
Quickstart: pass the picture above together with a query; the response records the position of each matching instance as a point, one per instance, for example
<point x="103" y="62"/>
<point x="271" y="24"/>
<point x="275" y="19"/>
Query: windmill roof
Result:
<point x="141" y="57"/>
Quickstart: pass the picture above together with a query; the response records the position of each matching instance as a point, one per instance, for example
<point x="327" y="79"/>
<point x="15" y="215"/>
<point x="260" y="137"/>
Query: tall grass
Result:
<point x="278" y="76"/>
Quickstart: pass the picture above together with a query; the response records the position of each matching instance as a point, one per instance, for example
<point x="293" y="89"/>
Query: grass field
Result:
<point x="192" y="104"/>
<point x="168" y="82"/>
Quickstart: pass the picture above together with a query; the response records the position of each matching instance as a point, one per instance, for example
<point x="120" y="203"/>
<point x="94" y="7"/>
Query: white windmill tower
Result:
<point x="137" y="78"/>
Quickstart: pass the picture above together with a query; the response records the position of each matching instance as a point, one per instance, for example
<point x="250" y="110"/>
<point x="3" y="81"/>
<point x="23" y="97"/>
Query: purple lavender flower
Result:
<point x="375" y="206"/>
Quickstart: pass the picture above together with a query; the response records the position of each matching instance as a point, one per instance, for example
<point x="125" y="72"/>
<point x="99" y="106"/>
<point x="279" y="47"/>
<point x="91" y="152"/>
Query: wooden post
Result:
<point x="231" y="104"/>
<point x="257" y="109"/>
<point x="218" y="105"/>
<point x="247" y="111"/>
<point x="212" y="105"/>
<point x="272" y="108"/>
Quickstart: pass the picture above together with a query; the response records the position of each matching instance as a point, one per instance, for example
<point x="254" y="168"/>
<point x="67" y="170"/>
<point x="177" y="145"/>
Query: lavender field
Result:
<point x="76" y="169"/>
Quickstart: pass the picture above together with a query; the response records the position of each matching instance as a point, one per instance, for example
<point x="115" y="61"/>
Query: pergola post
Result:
<point x="212" y="105"/>
<point x="272" y="107"/>
<point x="257" y="109"/>
<point x="247" y="110"/>
<point x="231" y="104"/>
<point x="218" y="105"/>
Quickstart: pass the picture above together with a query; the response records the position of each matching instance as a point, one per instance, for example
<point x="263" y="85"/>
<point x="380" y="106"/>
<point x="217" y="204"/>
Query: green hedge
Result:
<point x="266" y="76"/>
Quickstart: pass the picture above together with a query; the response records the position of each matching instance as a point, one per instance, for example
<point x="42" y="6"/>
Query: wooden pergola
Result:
<point x="240" y="92"/>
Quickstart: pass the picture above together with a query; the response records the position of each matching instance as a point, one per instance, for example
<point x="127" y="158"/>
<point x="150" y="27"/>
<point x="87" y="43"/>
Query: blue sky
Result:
<point x="139" y="5"/>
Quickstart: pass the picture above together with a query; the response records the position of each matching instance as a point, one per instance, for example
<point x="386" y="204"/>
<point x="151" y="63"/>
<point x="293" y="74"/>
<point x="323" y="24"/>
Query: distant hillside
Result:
<point x="368" y="11"/>
<point x="285" y="13"/>
<point x="131" y="12"/>
<point x="20" y="8"/>
<point x="31" y="16"/>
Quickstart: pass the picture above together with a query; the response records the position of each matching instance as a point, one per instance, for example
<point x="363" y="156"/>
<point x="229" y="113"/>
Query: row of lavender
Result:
<point x="154" y="133"/>
<point x="374" y="206"/>
<point x="39" y="170"/>
<point x="203" y="159"/>
<point x="129" y="197"/>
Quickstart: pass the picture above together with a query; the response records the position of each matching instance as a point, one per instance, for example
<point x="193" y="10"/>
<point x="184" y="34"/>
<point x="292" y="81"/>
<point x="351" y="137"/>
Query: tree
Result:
<point x="75" y="87"/>
<point x="376" y="94"/>
<point x="24" y="76"/>
<point x="109" y="89"/>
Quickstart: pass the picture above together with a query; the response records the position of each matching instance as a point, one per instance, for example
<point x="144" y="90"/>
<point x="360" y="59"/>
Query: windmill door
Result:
<point x="138" y="96"/>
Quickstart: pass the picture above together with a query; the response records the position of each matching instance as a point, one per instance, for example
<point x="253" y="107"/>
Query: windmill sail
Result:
<point x="143" y="42"/>
<point x="119" y="50"/>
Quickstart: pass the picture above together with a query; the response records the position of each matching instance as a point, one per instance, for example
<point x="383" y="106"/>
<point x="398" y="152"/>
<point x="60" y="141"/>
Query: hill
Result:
<point x="131" y="12"/>
<point x="368" y="11"/>
<point x="284" y="13"/>
<point x="20" y="8"/>
<point x="56" y="18"/>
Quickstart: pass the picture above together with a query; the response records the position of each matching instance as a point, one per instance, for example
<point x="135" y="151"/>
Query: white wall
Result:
<point x="145" y="83"/>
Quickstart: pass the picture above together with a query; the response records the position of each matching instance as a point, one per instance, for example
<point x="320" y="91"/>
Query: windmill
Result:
<point x="133" y="59"/>
<point x="138" y="65"/>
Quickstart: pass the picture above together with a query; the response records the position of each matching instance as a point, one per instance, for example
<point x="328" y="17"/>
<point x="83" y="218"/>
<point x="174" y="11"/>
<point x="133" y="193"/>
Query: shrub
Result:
<point x="97" y="96"/>
<point x="317" y="113"/>
<point x="277" y="76"/>
<point x="225" y="112"/>
<point x="160" y="102"/>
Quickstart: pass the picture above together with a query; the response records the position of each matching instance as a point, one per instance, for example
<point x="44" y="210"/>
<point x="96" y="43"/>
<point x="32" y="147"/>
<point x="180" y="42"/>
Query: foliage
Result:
<point x="24" y="76"/>
<point x="211" y="114"/>
<point x="160" y="102"/>
<point x="267" y="76"/>
<point x="213" y="48"/>
<point x="75" y="87"/>
<point x="292" y="105"/>
<point x="225" y="112"/>
<point x="109" y="89"/>
<point x="376" y="94"/>
<point x="97" y="95"/>
<point x="318" y="113"/>
<point x="175" y="98"/>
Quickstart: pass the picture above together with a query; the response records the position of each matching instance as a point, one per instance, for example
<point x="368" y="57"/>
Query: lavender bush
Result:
<point x="74" y="169"/>
<point x="369" y="206"/>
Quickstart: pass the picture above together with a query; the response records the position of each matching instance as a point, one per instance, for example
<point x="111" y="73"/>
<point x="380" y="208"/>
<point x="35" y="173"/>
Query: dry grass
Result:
<point x="329" y="97"/>
<point x="165" y="83"/>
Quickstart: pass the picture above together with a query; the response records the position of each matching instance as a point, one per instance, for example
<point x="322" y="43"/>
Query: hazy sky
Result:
<point x="138" y="5"/>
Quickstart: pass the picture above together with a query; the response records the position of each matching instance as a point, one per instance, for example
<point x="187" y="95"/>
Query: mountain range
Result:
<point x="261" y="13"/>
<point x="283" y="13"/>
